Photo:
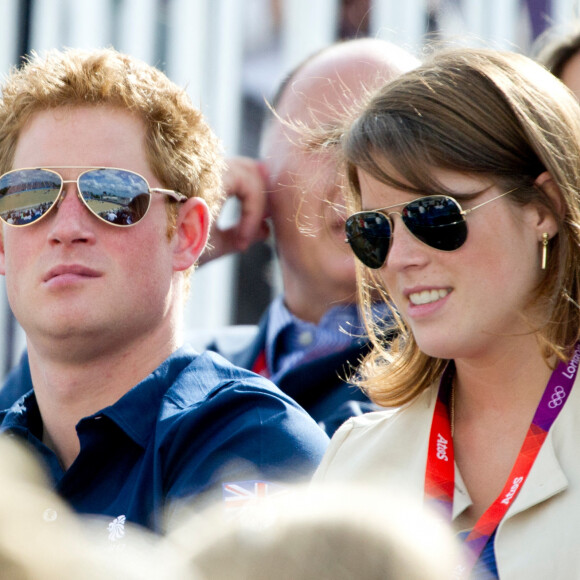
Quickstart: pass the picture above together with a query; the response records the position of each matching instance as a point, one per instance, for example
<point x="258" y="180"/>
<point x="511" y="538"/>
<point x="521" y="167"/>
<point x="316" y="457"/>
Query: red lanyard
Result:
<point x="260" y="365"/>
<point x="440" y="471"/>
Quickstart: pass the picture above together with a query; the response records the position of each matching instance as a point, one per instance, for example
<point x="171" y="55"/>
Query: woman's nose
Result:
<point x="405" y="249"/>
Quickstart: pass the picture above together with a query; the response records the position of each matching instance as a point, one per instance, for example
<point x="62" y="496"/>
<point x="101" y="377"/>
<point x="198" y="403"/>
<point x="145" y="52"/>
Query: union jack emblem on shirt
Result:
<point x="241" y="494"/>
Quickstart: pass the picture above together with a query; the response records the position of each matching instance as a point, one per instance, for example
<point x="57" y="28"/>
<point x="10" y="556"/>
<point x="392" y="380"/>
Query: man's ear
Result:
<point x="191" y="234"/>
<point x="547" y="221"/>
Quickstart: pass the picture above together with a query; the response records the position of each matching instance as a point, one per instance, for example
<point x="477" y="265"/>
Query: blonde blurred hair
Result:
<point x="41" y="537"/>
<point x="330" y="532"/>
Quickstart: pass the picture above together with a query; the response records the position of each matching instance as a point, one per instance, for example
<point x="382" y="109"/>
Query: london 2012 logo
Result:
<point x="557" y="397"/>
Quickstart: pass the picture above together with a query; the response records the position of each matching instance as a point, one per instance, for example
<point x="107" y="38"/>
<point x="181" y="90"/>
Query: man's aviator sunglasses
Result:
<point x="436" y="220"/>
<point x="116" y="196"/>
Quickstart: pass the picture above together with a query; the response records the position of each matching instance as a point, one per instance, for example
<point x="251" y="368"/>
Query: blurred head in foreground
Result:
<point x="328" y="533"/>
<point x="40" y="537"/>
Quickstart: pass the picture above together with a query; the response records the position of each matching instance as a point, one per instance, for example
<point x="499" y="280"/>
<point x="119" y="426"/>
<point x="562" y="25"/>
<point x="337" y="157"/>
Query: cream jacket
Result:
<point x="539" y="537"/>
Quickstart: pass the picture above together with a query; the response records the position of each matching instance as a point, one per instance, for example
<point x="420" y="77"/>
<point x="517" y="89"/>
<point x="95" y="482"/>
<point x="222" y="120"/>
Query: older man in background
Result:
<point x="310" y="337"/>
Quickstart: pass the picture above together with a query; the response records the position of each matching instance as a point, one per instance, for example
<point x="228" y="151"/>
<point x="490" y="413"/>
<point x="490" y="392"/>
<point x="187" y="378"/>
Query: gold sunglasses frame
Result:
<point x="175" y="195"/>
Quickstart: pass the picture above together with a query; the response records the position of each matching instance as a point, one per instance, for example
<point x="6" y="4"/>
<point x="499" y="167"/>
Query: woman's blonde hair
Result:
<point x="480" y="112"/>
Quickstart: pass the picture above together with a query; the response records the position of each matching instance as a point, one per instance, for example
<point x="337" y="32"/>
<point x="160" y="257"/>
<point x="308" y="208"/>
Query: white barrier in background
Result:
<point x="401" y="22"/>
<point x="9" y="36"/>
<point x="306" y="27"/>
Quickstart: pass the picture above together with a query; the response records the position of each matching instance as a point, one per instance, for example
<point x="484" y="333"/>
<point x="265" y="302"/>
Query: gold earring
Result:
<point x="545" y="240"/>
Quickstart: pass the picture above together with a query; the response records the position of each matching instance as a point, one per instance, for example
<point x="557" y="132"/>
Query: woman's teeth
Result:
<point x="427" y="296"/>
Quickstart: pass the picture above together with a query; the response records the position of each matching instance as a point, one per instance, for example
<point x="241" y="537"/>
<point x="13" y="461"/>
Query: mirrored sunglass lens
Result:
<point x="117" y="196"/>
<point x="369" y="236"/>
<point x="436" y="221"/>
<point x="27" y="194"/>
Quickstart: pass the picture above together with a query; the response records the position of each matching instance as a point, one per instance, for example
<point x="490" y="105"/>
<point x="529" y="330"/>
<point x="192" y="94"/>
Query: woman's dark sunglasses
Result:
<point x="116" y="196"/>
<point x="435" y="220"/>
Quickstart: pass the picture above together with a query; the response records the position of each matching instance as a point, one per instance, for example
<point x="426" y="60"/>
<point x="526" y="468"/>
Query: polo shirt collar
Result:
<point x="137" y="411"/>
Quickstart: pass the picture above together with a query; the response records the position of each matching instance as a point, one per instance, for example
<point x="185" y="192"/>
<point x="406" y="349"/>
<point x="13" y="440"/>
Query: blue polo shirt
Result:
<point x="196" y="423"/>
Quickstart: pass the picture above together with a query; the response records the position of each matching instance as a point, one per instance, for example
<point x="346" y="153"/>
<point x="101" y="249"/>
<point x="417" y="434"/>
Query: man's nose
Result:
<point x="71" y="220"/>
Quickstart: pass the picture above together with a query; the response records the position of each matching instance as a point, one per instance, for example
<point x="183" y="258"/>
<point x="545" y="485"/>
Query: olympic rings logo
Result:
<point x="557" y="398"/>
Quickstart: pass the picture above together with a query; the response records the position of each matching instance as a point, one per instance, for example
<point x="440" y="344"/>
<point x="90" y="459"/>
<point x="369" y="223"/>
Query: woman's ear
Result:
<point x="191" y="233"/>
<point x="547" y="221"/>
<point x="546" y="183"/>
